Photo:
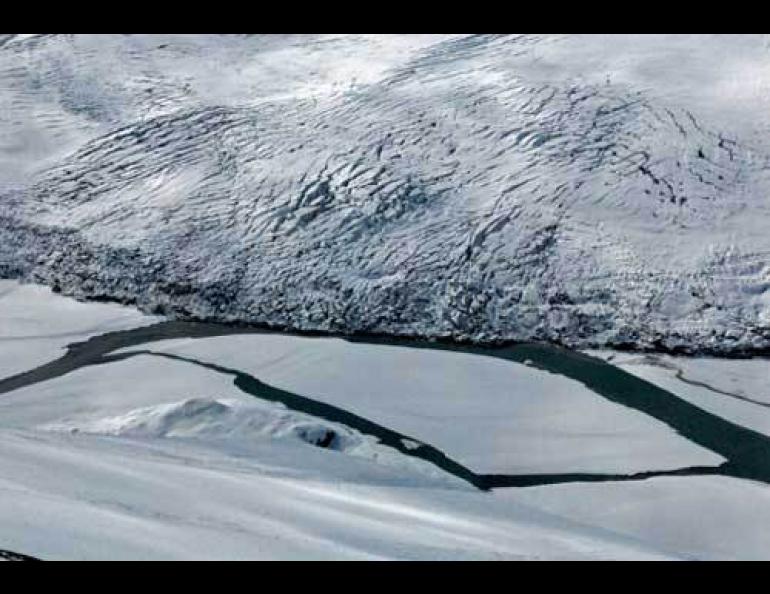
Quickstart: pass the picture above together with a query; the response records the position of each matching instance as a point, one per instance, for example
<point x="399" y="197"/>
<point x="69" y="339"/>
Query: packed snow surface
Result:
<point x="589" y="189"/>
<point x="90" y="497"/>
<point x="705" y="517"/>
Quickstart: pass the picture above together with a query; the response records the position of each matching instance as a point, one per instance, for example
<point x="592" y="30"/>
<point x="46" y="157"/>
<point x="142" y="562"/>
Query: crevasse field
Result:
<point x="592" y="190"/>
<point x="225" y="262"/>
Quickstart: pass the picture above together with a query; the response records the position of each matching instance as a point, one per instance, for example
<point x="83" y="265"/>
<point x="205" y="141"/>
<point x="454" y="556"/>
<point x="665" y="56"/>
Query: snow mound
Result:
<point x="215" y="419"/>
<point x="237" y="426"/>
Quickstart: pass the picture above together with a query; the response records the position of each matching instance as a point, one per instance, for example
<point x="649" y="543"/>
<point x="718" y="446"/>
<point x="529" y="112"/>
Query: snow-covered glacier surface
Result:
<point x="590" y="190"/>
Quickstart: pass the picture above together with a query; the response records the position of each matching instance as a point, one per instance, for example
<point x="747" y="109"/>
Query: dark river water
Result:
<point x="747" y="452"/>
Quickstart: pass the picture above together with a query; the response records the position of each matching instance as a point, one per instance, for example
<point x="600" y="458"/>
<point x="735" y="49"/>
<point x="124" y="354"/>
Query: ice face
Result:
<point x="590" y="190"/>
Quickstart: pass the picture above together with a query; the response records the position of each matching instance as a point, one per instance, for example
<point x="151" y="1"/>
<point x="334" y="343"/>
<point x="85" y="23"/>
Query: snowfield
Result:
<point x="36" y="325"/>
<point x="148" y="457"/>
<point x="93" y="498"/>
<point x="590" y="190"/>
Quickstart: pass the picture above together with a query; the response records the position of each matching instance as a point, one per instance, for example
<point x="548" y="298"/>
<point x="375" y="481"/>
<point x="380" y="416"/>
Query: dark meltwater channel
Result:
<point x="747" y="452"/>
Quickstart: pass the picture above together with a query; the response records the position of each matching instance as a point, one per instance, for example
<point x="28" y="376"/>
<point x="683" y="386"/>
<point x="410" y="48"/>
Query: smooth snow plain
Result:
<point x="150" y="458"/>
<point x="36" y="325"/>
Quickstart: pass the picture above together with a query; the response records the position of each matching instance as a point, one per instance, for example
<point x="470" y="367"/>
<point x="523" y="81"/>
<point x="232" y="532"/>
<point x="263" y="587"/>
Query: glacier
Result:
<point x="593" y="191"/>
